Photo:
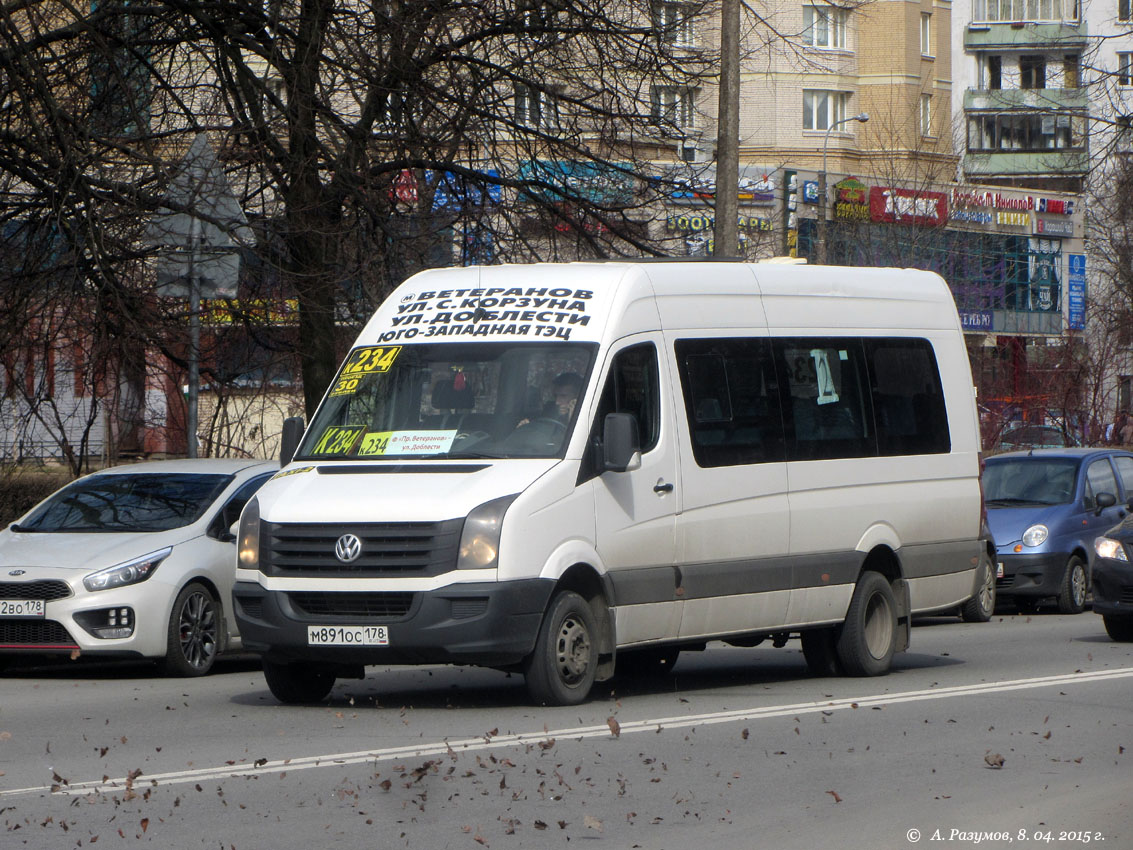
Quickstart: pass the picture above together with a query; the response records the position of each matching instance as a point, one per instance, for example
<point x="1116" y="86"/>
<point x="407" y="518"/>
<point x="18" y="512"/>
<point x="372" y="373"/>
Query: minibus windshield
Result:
<point x="450" y="401"/>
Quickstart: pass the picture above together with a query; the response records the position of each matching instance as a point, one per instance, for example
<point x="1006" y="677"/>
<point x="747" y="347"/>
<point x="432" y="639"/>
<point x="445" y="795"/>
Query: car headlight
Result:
<point x="1107" y="547"/>
<point x="480" y="539"/>
<point x="249" y="539"/>
<point x="1035" y="535"/>
<point x="130" y="572"/>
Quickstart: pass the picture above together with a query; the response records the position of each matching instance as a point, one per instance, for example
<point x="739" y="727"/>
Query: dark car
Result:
<point x="1033" y="437"/>
<point x="1045" y="508"/>
<point x="1113" y="579"/>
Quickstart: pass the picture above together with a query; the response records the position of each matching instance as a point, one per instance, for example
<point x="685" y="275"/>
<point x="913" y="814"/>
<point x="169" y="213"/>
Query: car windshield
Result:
<point x="451" y="400"/>
<point x="128" y="502"/>
<point x="1030" y="480"/>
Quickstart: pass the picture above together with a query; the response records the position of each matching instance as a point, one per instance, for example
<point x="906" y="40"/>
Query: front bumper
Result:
<point x="1113" y="587"/>
<point x="61" y="631"/>
<point x="493" y="624"/>
<point x="1030" y="575"/>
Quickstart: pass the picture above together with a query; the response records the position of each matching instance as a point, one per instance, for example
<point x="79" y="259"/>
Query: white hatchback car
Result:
<point x="132" y="561"/>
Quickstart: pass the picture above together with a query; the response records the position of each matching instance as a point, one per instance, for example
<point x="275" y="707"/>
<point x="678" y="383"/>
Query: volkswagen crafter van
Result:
<point x="563" y="469"/>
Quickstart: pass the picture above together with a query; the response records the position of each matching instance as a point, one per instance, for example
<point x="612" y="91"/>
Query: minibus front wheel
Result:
<point x="562" y="667"/>
<point x="297" y="682"/>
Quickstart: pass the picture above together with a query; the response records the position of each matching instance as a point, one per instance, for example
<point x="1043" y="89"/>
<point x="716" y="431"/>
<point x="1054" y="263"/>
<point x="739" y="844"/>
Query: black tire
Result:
<point x="647" y="663"/>
<point x="867" y="639"/>
<point x="193" y="638"/>
<point x="1119" y="628"/>
<point x="1026" y="605"/>
<point x="821" y="652"/>
<point x="562" y="667"/>
<point x="980" y="607"/>
<point x="298" y="682"/>
<point x="1072" y="596"/>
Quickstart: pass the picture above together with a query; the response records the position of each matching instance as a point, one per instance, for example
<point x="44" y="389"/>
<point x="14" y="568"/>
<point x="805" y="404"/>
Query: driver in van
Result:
<point x="565" y="389"/>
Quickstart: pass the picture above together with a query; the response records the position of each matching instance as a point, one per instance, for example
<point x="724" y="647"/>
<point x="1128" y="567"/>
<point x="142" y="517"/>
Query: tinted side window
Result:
<point x="908" y="400"/>
<point x="731" y="401"/>
<point x="825" y="398"/>
<point x="1099" y="479"/>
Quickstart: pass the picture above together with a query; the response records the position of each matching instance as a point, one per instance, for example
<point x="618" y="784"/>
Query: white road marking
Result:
<point x="629" y="727"/>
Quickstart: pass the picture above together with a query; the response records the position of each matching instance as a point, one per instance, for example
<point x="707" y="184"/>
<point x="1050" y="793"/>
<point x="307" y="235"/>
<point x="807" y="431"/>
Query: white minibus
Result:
<point x="573" y="469"/>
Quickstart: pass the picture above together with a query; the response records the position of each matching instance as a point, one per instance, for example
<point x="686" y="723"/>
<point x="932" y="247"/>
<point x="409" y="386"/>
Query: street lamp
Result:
<point x="861" y="117"/>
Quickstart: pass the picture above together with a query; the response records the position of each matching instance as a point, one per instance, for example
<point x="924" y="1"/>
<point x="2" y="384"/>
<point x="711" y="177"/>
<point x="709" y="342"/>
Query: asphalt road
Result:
<point x="1018" y="732"/>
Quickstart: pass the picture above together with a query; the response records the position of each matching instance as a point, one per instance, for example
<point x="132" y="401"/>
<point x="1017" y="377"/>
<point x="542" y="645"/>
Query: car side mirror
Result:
<point x="621" y="446"/>
<point x="289" y="439"/>
<point x="1103" y="501"/>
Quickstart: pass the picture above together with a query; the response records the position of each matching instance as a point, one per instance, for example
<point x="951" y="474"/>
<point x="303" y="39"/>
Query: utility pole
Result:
<point x="725" y="238"/>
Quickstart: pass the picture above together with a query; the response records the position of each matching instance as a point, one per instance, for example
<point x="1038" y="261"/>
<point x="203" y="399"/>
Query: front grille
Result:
<point x="370" y="605"/>
<point x="388" y="549"/>
<point x="1127" y="594"/>
<point x="45" y="633"/>
<point x="253" y="606"/>
<point x="1005" y="582"/>
<point x="34" y="590"/>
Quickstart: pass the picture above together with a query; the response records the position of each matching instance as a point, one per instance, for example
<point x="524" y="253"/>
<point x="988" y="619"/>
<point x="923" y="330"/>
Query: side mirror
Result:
<point x="289" y="439"/>
<point x="230" y="535"/>
<point x="621" y="446"/>
<point x="1103" y="501"/>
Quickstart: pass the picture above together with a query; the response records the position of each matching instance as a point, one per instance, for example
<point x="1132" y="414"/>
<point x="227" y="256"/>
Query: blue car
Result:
<point x="1045" y="509"/>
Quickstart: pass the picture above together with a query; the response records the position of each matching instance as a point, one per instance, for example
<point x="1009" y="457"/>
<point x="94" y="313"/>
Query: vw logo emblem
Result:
<point x="348" y="548"/>
<point x="16" y="572"/>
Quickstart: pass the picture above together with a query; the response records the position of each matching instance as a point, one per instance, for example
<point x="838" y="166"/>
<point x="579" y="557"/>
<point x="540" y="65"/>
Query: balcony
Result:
<point x="1055" y="163"/>
<point x="1034" y="100"/>
<point x="1067" y="35"/>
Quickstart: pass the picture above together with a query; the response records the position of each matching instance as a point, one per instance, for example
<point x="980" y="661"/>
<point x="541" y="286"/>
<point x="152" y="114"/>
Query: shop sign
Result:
<point x="906" y="206"/>
<point x="700" y="222"/>
<point x="977" y="320"/>
<point x="1076" y="291"/>
<point x="980" y="207"/>
<point x="810" y="192"/>
<point x="1054" y="227"/>
<point x="565" y="180"/>
<point x="851" y="200"/>
<point x="756" y="186"/>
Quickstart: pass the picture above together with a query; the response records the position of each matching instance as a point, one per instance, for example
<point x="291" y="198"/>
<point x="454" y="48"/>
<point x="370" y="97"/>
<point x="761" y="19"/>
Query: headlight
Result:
<point x="1035" y="535"/>
<point x="130" y="572"/>
<point x="249" y="540"/>
<point x="1109" y="548"/>
<point x="480" y="539"/>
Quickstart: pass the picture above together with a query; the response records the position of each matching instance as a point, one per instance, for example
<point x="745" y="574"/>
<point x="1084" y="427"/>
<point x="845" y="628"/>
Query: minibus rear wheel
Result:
<point x="562" y="667"/>
<point x="869" y="635"/>
<point x="298" y="682"/>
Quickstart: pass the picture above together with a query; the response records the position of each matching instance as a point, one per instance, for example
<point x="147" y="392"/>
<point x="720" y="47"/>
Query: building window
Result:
<point x="1026" y="10"/>
<point x="1026" y="132"/>
<point x="1124" y="133"/>
<point x="673" y="107"/>
<point x="673" y="23"/>
<point x="822" y="109"/>
<point x="1032" y="72"/>
<point x="926" y="34"/>
<point x="994" y="79"/>
<point x="535" y="108"/>
<point x="926" y="115"/>
<point x="536" y="15"/>
<point x="1070" y="71"/>
<point x="1124" y="68"/>
<point x="1125" y="10"/>
<point x="120" y="85"/>
<point x="824" y="26"/>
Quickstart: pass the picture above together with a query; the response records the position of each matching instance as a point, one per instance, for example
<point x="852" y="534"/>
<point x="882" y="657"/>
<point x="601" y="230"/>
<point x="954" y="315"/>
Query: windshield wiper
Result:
<point x="1016" y="502"/>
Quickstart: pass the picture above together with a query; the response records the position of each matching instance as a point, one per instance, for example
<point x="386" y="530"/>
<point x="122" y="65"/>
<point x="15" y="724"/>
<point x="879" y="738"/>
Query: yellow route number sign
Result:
<point x="362" y="362"/>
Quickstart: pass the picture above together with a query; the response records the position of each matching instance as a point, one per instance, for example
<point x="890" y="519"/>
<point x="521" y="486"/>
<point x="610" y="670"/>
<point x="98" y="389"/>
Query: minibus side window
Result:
<point x="632" y="386"/>
<point x="731" y="401"/>
<point x="827" y="411"/>
<point x="908" y="399"/>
